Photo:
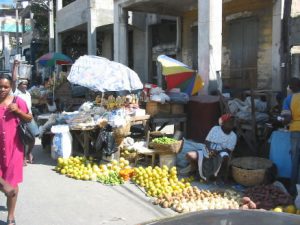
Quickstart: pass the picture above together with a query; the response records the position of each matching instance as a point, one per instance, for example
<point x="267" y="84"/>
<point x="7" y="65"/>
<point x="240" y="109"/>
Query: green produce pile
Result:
<point x="164" y="140"/>
<point x="112" y="178"/>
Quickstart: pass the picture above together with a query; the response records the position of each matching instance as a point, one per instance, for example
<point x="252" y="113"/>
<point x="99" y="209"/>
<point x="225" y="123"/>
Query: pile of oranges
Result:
<point x="126" y="174"/>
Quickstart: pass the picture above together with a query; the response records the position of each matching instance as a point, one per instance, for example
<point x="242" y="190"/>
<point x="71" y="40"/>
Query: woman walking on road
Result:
<point x="11" y="147"/>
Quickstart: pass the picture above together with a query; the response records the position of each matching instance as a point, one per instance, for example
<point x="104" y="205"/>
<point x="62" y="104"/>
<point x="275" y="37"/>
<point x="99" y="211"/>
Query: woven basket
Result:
<point x="122" y="131"/>
<point x="131" y="157"/>
<point x="119" y="140"/>
<point x="174" y="148"/>
<point x="250" y="171"/>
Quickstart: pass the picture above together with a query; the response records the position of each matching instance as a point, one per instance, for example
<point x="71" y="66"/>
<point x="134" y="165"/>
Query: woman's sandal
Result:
<point x="11" y="222"/>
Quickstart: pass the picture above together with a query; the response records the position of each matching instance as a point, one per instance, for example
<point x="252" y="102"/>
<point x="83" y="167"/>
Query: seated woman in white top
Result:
<point x="218" y="146"/>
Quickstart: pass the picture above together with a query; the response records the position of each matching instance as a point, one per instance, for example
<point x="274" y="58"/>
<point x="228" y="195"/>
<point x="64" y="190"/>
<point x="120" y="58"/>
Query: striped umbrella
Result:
<point x="54" y="58"/>
<point x="179" y="75"/>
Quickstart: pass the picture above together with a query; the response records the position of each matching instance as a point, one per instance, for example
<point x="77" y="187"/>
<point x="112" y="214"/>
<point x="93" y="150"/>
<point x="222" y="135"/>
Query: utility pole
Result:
<point x="17" y="27"/>
<point x="51" y="27"/>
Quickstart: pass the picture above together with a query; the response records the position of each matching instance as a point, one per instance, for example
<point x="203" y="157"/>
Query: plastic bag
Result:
<point x="117" y="118"/>
<point x="297" y="200"/>
<point x="106" y="143"/>
<point x="162" y="97"/>
<point x="178" y="97"/>
<point x="33" y="127"/>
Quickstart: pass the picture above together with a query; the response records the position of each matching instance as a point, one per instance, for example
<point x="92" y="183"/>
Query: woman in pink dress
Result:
<point x="11" y="147"/>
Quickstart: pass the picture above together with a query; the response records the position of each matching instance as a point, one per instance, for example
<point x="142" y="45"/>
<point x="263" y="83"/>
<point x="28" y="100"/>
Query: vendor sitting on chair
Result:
<point x="218" y="146"/>
<point x="51" y="105"/>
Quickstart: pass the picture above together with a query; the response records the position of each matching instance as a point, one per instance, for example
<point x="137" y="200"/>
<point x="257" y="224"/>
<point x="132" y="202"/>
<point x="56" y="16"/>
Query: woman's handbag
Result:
<point x="23" y="129"/>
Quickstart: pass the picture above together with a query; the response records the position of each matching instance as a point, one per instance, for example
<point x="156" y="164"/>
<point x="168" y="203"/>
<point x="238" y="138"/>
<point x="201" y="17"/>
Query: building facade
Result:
<point x="239" y="40"/>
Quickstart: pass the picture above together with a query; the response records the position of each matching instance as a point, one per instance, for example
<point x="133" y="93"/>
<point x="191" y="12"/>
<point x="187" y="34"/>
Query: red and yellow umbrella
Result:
<point x="179" y="75"/>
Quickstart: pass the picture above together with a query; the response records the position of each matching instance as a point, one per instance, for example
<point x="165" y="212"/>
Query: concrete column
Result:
<point x="148" y="43"/>
<point x="59" y="5"/>
<point x="58" y="43"/>
<point x="17" y="28"/>
<point x="276" y="44"/>
<point x="209" y="41"/>
<point x="51" y="27"/>
<point x="92" y="29"/>
<point x="120" y="35"/>
<point x="1" y="42"/>
<point x="295" y="67"/>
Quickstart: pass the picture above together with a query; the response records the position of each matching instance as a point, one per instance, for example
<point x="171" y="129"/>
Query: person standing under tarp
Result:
<point x="291" y="115"/>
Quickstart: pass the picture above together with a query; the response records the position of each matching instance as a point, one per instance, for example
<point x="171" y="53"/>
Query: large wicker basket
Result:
<point x="174" y="148"/>
<point x="250" y="171"/>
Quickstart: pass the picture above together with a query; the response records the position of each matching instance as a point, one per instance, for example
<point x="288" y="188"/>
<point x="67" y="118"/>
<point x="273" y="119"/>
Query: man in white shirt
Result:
<point x="21" y="92"/>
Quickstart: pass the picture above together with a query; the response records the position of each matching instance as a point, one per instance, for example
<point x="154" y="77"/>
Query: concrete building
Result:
<point x="14" y="22"/>
<point x="239" y="39"/>
<point x="293" y="38"/>
<point x="92" y="20"/>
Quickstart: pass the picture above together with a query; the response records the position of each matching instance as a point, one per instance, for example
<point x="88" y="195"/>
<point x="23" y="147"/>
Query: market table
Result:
<point x="167" y="119"/>
<point x="84" y="136"/>
<point x="144" y="120"/>
<point x="43" y="118"/>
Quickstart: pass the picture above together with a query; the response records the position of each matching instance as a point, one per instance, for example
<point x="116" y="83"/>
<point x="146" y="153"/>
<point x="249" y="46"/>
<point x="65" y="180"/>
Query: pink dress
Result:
<point x="11" y="147"/>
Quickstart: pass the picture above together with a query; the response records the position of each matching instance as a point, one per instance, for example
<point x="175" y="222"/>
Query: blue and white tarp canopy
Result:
<point x="101" y="74"/>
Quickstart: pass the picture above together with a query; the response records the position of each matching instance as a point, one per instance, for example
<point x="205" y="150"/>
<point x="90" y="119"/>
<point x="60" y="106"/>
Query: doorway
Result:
<point x="243" y="44"/>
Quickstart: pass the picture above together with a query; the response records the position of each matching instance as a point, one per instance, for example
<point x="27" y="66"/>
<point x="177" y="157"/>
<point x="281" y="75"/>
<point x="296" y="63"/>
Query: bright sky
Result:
<point x="6" y="1"/>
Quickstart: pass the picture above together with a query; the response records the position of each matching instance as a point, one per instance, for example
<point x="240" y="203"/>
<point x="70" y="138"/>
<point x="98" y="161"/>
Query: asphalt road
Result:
<point x="47" y="198"/>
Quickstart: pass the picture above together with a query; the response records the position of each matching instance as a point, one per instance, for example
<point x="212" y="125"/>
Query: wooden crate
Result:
<point x="153" y="108"/>
<point x="177" y="108"/>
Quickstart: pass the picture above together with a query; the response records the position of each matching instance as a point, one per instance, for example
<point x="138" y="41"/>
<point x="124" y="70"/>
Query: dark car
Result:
<point x="230" y="217"/>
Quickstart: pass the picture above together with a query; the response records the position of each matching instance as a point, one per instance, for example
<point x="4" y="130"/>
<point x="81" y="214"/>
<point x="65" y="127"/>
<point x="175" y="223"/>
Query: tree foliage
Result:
<point x="40" y="18"/>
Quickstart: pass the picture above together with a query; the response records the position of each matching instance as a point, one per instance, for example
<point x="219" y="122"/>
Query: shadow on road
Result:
<point x="3" y="209"/>
<point x="42" y="156"/>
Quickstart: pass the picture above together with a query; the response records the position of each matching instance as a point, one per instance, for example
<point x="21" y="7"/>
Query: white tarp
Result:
<point x="101" y="74"/>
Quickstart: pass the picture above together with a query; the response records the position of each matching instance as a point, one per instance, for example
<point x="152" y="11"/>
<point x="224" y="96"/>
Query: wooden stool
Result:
<point x="147" y="152"/>
<point x="153" y="153"/>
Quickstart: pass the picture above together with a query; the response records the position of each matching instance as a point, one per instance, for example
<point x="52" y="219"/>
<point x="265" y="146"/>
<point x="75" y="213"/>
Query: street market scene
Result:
<point x="149" y="112"/>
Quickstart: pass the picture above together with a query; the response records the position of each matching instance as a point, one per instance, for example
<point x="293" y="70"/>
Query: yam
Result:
<point x="244" y="207"/>
<point x="246" y="200"/>
<point x="251" y="205"/>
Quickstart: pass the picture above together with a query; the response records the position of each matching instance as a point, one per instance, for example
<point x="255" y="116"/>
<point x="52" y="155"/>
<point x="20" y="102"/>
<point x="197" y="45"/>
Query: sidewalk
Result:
<point x="47" y="198"/>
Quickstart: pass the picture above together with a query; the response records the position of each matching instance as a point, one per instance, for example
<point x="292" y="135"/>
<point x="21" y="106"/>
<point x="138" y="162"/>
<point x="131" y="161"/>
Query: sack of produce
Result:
<point x="62" y="142"/>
